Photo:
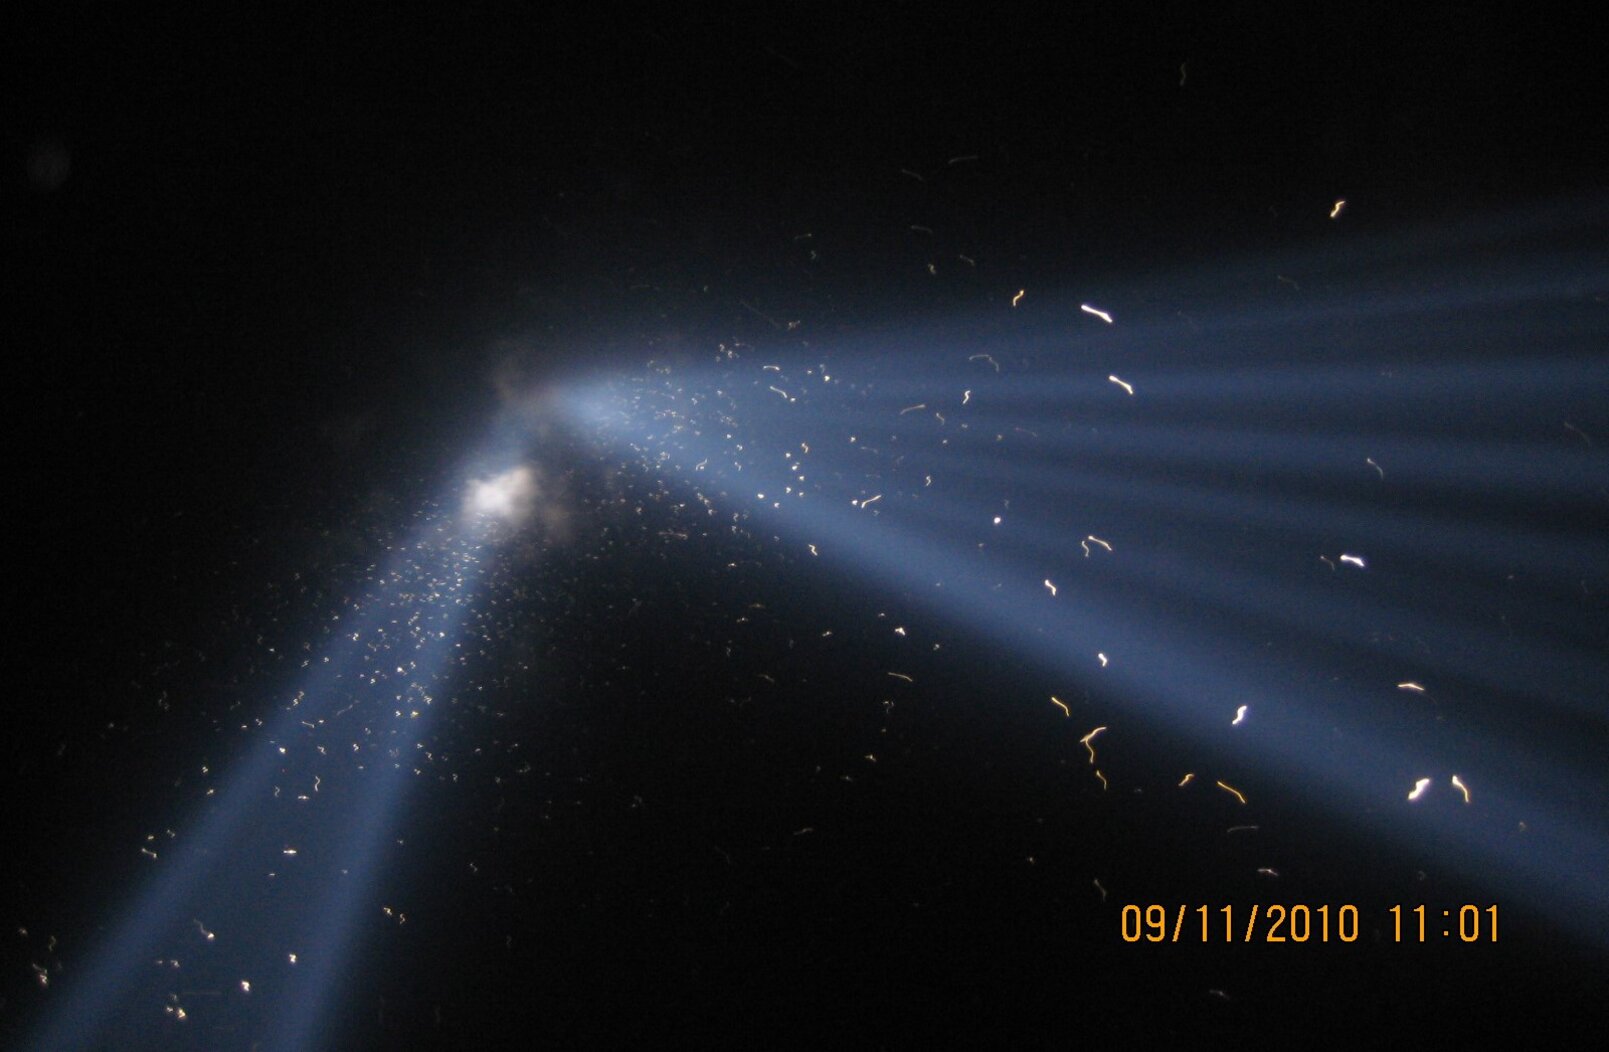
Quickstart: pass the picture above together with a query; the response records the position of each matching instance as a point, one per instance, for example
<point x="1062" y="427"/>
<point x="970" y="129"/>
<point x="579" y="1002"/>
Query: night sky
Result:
<point x="692" y="782"/>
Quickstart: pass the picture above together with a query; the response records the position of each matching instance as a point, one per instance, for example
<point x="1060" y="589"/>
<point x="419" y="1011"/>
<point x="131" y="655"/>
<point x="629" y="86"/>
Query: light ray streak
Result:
<point x="1210" y="510"/>
<point x="1170" y="652"/>
<point x="1438" y="540"/>
<point x="283" y="878"/>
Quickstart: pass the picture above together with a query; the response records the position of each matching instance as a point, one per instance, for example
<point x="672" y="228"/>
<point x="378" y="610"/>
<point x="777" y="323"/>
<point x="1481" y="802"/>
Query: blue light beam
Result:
<point x="243" y="931"/>
<point x="1325" y="500"/>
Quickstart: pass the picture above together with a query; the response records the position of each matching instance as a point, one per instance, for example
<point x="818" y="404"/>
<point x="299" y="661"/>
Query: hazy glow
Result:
<point x="507" y="497"/>
<point x="1320" y="535"/>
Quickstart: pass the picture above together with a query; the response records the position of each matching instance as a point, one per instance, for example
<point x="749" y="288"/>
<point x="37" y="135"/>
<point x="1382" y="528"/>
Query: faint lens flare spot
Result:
<point x="508" y="497"/>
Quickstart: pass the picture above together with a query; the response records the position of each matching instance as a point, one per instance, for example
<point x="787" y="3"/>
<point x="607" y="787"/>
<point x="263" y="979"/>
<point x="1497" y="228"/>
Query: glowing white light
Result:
<point x="505" y="498"/>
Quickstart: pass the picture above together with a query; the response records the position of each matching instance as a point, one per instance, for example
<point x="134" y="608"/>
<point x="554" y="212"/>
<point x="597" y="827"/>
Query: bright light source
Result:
<point x="507" y="497"/>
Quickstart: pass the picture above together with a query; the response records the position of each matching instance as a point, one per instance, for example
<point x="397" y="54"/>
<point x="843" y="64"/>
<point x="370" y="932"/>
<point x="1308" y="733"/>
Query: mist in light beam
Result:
<point x="260" y="901"/>
<point x="1310" y="492"/>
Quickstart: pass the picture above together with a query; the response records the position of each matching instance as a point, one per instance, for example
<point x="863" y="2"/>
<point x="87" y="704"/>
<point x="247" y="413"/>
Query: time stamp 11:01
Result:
<point x="1302" y="923"/>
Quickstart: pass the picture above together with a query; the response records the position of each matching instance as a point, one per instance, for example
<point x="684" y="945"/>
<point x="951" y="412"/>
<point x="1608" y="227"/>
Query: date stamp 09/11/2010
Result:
<point x="1300" y="923"/>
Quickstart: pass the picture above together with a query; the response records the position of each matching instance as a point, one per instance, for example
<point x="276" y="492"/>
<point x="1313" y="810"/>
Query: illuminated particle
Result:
<point x="899" y="631"/>
<point x="1124" y="384"/>
<point x="1370" y="461"/>
<point x="1410" y="685"/>
<point x="901" y="675"/>
<point x="1062" y="705"/>
<point x="997" y="520"/>
<point x="1240" y="714"/>
<point x="1099" y="888"/>
<point x="1018" y="297"/>
<point x="1335" y="209"/>
<point x="1461" y="787"/>
<point x="205" y="934"/>
<point x="1102" y="777"/>
<point x="1087" y="309"/>
<point x="1086" y="741"/>
<point x="1187" y="779"/>
<point x="245" y="986"/>
<point x="985" y="357"/>
<point x="1096" y="540"/>
<point x="1419" y="788"/>
<point x="966" y="396"/>
<point x="1236" y="793"/>
<point x="812" y="548"/>
<point x="1265" y="871"/>
<point x="291" y="957"/>
<point x="912" y="408"/>
<point x="1051" y="587"/>
<point x="1101" y="655"/>
<point x="1355" y="560"/>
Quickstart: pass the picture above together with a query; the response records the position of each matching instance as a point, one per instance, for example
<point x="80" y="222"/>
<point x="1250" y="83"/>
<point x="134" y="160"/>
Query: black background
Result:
<point x="267" y="268"/>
